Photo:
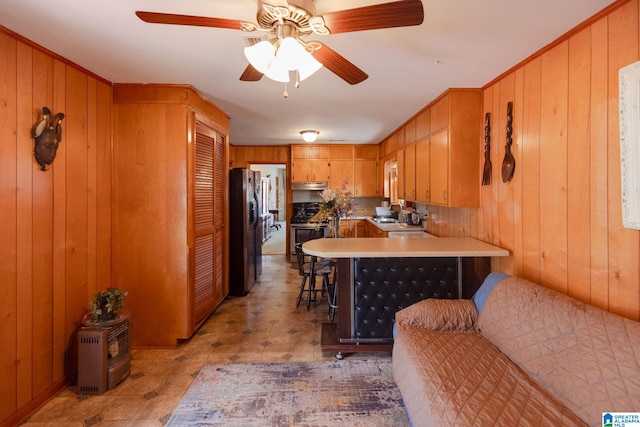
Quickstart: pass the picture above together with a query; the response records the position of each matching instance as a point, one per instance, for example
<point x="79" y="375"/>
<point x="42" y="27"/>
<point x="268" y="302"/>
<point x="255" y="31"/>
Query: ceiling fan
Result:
<point x="296" y="20"/>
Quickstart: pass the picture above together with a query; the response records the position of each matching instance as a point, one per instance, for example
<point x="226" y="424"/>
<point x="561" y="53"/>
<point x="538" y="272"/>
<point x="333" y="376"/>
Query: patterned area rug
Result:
<point x="336" y="393"/>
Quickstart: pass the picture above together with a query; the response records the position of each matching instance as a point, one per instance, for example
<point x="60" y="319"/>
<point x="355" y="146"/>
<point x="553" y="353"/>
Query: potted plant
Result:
<point x="106" y="306"/>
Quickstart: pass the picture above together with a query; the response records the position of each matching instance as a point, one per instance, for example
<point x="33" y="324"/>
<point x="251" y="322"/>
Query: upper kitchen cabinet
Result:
<point x="170" y="190"/>
<point x="309" y="163"/>
<point x="365" y="171"/>
<point x="453" y="149"/>
<point x="446" y="155"/>
<point x="422" y="125"/>
<point x="341" y="166"/>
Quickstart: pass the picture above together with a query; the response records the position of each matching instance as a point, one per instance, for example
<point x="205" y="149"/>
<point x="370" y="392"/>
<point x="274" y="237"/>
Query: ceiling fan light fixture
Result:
<point x="308" y="65"/>
<point x="260" y="55"/>
<point x="278" y="72"/>
<point x="275" y="58"/>
<point x="309" y="135"/>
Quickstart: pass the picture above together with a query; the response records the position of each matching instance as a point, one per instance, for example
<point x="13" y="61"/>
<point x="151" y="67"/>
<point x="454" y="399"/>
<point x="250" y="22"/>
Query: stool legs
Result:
<point x="302" y="289"/>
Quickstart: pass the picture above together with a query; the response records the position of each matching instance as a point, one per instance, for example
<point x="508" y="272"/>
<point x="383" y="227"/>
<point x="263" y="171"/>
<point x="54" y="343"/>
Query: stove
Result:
<point x="302" y="230"/>
<point x="303" y="212"/>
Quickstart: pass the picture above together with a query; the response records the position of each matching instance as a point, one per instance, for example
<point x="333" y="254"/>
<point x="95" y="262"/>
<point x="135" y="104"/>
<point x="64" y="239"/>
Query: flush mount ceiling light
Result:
<point x="288" y="22"/>
<point x="309" y="135"/>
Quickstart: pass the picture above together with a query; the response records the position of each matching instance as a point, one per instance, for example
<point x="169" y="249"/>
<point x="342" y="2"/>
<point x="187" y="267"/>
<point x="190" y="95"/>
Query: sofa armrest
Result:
<point x="447" y="315"/>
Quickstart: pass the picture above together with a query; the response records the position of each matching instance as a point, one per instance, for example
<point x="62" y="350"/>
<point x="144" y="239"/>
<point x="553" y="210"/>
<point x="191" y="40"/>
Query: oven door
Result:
<point x="301" y="233"/>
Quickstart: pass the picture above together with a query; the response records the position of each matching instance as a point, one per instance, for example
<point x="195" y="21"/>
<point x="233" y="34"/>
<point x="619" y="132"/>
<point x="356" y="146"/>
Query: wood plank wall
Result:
<point x="560" y="215"/>
<point x="56" y="225"/>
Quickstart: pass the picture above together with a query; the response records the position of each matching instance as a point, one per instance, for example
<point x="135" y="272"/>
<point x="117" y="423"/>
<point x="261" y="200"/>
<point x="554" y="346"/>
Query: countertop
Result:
<point x="389" y="227"/>
<point x="378" y="247"/>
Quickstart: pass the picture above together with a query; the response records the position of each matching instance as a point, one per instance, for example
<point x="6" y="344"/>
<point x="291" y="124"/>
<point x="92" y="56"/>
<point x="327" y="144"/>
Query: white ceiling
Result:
<point x="462" y="43"/>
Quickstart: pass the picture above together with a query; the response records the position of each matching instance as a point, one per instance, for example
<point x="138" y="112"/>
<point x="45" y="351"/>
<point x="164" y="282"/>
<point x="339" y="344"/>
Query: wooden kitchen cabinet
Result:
<point x="305" y="170"/>
<point x="341" y="170"/>
<point x="309" y="163"/>
<point x="371" y="230"/>
<point x="443" y="169"/>
<point x="410" y="172"/>
<point x="352" y="227"/>
<point x="357" y="164"/>
<point x="365" y="174"/>
<point x="169" y="229"/>
<point x="401" y="170"/>
<point x="423" y="179"/>
<point x="439" y="170"/>
<point x="319" y="170"/>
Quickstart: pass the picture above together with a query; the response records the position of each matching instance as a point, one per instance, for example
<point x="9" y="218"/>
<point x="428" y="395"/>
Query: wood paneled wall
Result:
<point x="560" y="215"/>
<point x="56" y="225"/>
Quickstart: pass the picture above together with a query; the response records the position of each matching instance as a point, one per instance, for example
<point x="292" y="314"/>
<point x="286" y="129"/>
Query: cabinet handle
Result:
<point x="444" y="195"/>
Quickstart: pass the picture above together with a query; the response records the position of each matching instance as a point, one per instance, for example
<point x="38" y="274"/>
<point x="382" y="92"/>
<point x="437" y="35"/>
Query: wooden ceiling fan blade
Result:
<point x="339" y="65"/>
<point x="200" y="21"/>
<point x="250" y="74"/>
<point x="403" y="13"/>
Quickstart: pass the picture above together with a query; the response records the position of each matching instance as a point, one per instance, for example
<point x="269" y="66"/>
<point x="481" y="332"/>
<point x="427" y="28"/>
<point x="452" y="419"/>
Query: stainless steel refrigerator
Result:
<point x="245" y="230"/>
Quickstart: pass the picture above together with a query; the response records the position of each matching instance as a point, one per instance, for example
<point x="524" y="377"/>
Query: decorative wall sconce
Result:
<point x="47" y="133"/>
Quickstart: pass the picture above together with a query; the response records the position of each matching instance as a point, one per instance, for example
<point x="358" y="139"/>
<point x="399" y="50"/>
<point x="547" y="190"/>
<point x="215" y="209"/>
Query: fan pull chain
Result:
<point x="297" y="79"/>
<point x="285" y="94"/>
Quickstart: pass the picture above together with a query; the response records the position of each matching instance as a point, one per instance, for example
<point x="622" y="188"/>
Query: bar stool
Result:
<point x="309" y="271"/>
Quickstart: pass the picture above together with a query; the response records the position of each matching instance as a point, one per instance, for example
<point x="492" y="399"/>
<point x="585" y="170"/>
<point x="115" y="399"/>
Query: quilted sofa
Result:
<point x="517" y="353"/>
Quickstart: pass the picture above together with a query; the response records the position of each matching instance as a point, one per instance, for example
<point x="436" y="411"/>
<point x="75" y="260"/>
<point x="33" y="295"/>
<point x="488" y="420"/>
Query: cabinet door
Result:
<point x="422" y="171"/>
<point x="343" y="152"/>
<point x="440" y="114"/>
<point x="203" y="205"/>
<point x="220" y="285"/>
<point x="423" y="124"/>
<point x="319" y="169"/>
<point x="300" y="170"/>
<point x="439" y="169"/>
<point x="367" y="151"/>
<point x="341" y="171"/>
<point x="410" y="172"/>
<point x="365" y="182"/>
<point x="300" y="151"/>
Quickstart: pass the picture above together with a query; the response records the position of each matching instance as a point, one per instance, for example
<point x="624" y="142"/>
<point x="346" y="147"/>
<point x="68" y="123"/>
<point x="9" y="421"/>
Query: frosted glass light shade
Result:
<point x="260" y="55"/>
<point x="307" y="66"/>
<point x="309" y="135"/>
<point x="277" y="71"/>
<point x="276" y="60"/>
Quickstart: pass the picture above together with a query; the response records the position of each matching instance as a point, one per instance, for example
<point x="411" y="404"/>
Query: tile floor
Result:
<point x="264" y="326"/>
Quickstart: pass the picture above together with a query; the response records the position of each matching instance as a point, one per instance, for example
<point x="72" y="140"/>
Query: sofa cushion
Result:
<point x="440" y="315"/>
<point x="588" y="358"/>
<point x="461" y="379"/>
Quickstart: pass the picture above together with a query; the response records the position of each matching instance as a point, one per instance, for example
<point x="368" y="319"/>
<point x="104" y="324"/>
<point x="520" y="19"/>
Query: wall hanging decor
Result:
<point x="486" y="171"/>
<point x="47" y="132"/>
<point x="630" y="144"/>
<point x="509" y="162"/>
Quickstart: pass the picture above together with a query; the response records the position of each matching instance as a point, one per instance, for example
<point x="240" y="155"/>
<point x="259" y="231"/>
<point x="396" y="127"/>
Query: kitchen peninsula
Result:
<point x="378" y="276"/>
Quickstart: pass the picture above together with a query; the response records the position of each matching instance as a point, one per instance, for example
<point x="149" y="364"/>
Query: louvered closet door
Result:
<point x="219" y="180"/>
<point x="204" y="224"/>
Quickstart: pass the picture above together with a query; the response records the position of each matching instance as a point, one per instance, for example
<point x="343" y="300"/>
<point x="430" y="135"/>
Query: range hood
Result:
<point x="317" y="186"/>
